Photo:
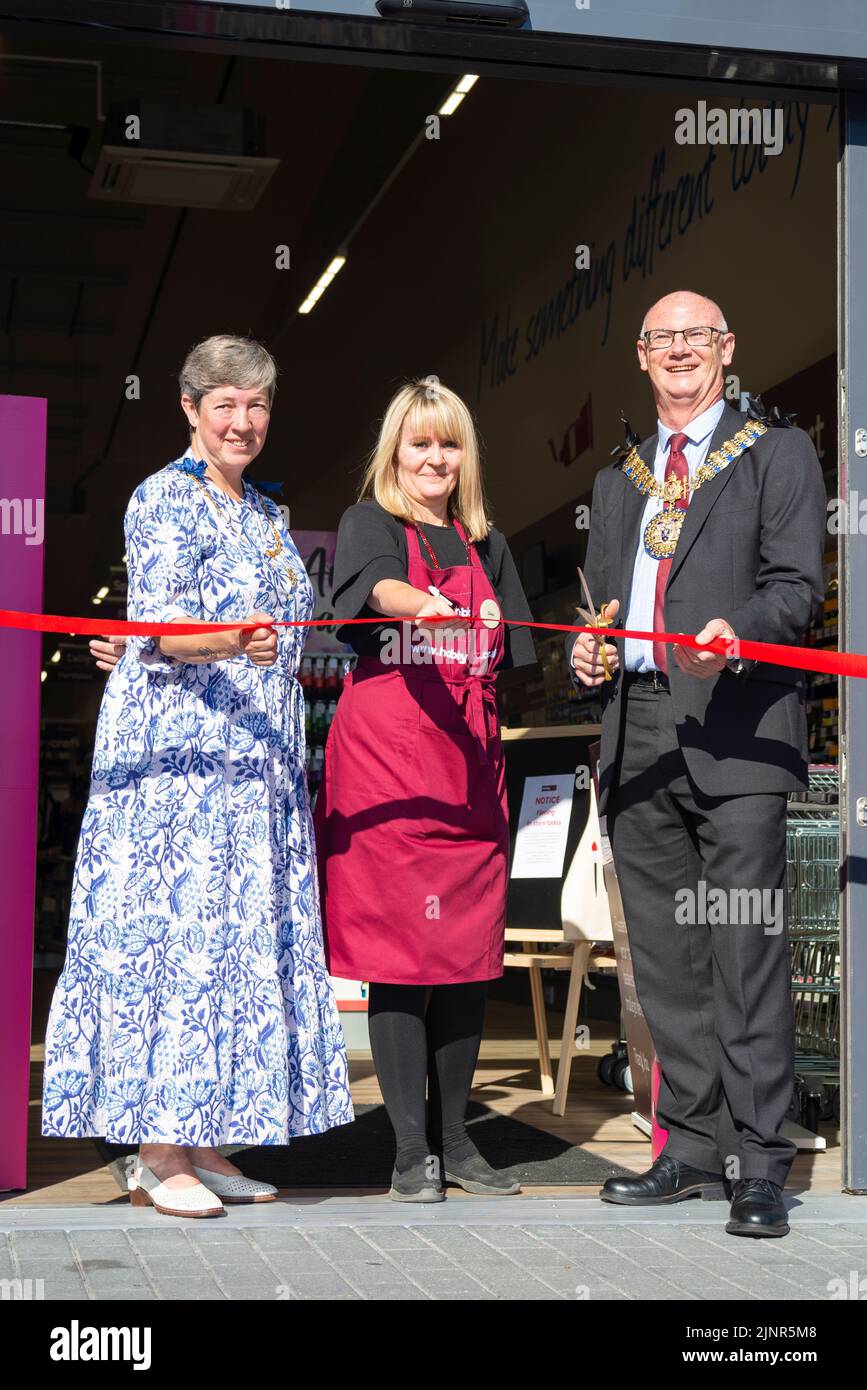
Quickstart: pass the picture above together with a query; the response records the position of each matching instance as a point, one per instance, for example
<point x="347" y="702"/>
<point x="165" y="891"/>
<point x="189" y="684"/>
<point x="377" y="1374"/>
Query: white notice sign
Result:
<point x="540" y="844"/>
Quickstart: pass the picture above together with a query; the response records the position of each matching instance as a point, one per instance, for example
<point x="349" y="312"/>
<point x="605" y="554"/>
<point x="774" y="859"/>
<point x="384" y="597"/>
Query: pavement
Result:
<point x="494" y="1248"/>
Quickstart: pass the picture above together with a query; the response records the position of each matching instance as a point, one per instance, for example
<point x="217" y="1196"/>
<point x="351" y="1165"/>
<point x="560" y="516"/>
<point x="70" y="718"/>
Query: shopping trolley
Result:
<point x="813" y="888"/>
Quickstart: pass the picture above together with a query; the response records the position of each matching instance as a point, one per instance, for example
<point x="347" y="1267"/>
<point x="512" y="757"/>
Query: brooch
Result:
<point x="190" y="465"/>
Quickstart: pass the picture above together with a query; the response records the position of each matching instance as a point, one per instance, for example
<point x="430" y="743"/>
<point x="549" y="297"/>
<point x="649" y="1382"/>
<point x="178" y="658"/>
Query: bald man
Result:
<point x="714" y="525"/>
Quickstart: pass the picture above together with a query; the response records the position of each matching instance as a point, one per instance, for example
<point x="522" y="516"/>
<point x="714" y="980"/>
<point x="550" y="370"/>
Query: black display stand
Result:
<point x="534" y="921"/>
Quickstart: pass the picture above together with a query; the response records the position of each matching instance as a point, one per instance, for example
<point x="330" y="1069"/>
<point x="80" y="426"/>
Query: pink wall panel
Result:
<point x="22" y="493"/>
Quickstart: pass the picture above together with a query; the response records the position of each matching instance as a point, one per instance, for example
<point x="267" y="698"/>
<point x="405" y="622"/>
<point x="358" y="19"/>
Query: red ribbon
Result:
<point x="801" y="658"/>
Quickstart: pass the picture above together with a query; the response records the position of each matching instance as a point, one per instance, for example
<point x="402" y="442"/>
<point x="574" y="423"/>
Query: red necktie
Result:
<point x="677" y="467"/>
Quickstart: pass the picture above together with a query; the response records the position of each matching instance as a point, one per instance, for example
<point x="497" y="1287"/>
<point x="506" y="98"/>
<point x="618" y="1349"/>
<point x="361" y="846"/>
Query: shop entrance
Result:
<point x="501" y="224"/>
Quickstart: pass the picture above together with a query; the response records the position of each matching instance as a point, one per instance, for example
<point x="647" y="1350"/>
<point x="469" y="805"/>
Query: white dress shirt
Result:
<point x="639" y="614"/>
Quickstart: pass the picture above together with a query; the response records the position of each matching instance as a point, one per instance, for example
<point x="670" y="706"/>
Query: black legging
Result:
<point x="433" y="1033"/>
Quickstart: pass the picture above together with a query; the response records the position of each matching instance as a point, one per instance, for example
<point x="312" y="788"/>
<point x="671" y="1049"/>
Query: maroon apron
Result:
<point x="412" y="825"/>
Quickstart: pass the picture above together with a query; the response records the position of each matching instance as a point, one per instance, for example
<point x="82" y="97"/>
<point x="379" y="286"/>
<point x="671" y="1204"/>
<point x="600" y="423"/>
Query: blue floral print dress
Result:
<point x="194" y="1006"/>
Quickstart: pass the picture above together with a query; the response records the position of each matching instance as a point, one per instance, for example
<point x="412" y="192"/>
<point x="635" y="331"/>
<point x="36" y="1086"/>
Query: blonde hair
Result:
<point x="428" y="407"/>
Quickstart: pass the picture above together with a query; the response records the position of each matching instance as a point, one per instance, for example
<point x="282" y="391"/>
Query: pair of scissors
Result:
<point x="592" y="618"/>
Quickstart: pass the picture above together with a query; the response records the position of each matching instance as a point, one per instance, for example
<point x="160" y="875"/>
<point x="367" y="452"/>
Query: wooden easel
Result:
<point x="575" y="956"/>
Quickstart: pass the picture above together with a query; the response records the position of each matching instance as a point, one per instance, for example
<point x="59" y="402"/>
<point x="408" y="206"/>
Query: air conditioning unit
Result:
<point x="178" y="155"/>
<point x="510" y="14"/>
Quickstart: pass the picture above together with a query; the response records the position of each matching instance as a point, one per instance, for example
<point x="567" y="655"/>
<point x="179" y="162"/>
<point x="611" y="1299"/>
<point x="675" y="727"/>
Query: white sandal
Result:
<point x="235" y="1188"/>
<point x="121" y="1168"/>
<point x="146" y="1190"/>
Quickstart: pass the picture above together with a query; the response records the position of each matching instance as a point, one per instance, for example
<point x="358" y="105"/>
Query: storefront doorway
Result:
<point x="506" y="234"/>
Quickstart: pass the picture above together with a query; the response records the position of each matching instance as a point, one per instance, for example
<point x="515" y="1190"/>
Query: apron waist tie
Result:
<point x="479" y="704"/>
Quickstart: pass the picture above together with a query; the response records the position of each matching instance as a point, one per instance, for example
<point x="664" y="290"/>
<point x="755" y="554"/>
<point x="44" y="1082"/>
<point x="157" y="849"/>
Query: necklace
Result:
<point x="271" y="553"/>
<point x="662" y="531"/>
<point x="429" y="548"/>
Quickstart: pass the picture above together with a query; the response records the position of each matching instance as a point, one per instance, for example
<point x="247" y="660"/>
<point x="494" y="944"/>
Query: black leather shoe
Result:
<point x="667" y="1180"/>
<point x="416" y="1184"/>
<point x="757" y="1209"/>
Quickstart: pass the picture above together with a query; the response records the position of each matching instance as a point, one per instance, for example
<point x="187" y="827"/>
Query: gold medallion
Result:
<point x="662" y="531"/>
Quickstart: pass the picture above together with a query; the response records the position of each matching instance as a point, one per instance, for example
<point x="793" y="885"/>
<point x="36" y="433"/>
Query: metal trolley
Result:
<point x="813" y="876"/>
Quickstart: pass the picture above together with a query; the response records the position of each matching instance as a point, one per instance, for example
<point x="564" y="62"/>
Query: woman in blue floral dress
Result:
<point x="194" y="1009"/>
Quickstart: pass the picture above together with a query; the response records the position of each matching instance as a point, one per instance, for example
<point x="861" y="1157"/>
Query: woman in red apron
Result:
<point x="411" y="820"/>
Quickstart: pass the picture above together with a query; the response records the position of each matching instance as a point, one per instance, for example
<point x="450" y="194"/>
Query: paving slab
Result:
<point x="493" y="1249"/>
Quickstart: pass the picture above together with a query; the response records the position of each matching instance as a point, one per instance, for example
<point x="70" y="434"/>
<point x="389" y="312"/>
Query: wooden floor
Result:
<point x="68" y="1172"/>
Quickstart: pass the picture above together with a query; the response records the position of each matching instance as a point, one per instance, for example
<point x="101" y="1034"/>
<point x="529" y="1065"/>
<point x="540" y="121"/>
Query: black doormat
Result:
<point x="361" y="1154"/>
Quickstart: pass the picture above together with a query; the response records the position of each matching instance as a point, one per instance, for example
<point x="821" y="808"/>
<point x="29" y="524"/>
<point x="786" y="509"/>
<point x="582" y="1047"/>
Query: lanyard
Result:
<point x="429" y="548"/>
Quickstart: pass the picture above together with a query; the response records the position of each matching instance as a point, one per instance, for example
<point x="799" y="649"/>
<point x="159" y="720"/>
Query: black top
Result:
<point x="371" y="545"/>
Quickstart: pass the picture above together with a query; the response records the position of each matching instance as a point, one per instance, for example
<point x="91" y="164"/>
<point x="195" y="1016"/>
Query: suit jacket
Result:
<point x="750" y="551"/>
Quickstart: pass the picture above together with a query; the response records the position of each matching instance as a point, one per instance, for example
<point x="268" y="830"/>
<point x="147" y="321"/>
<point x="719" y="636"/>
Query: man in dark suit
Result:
<point x="714" y="526"/>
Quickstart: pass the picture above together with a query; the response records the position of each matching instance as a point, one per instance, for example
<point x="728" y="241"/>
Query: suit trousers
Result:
<point x="703" y="882"/>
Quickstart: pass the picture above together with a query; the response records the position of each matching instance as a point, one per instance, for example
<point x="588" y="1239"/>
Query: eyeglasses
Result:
<point x="693" y="337"/>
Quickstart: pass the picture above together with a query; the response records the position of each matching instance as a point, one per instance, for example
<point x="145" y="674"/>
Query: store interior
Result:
<point x="458" y="235"/>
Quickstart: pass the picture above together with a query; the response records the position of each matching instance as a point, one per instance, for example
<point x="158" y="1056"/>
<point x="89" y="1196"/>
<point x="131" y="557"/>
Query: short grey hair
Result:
<point x="722" y="324"/>
<point x="227" y="361"/>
